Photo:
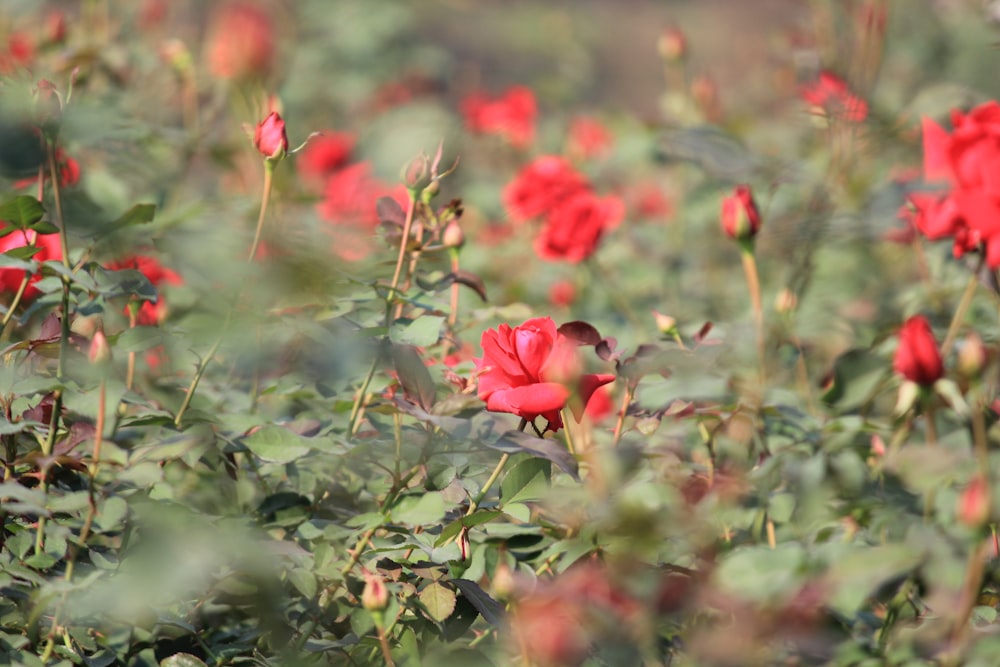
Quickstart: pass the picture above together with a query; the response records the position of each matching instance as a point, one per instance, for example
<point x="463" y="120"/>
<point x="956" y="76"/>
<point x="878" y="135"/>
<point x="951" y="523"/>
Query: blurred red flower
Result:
<point x="968" y="160"/>
<point x="555" y="623"/>
<point x="349" y="203"/>
<point x="588" y="139"/>
<point x="740" y="217"/>
<point x="573" y="229"/>
<point x="647" y="200"/>
<point x="150" y="313"/>
<point x="541" y="186"/>
<point x="324" y="155"/>
<point x="240" y="41"/>
<point x="520" y="367"/>
<point x="511" y="116"/>
<point x="562" y="293"/>
<point x="49" y="248"/>
<point x="19" y="53"/>
<point x="917" y="357"/>
<point x="831" y="96"/>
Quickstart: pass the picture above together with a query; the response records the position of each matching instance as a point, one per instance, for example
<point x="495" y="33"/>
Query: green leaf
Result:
<point x="139" y="214"/>
<point x="419" y="509"/>
<point x="422" y="332"/>
<point x="182" y="660"/>
<point x="22" y="211"/>
<point x="413" y="375"/>
<point x="760" y="573"/>
<point x="474" y="519"/>
<point x="276" y="444"/>
<point x="515" y="442"/>
<point x="438" y="600"/>
<point x="489" y="609"/>
<point x="526" y="481"/>
<point x="138" y="339"/>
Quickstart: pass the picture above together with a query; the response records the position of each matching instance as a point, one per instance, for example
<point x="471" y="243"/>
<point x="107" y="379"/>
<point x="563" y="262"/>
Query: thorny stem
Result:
<point x="404" y="241"/>
<point x="384" y="643"/>
<point x="453" y="310"/>
<point x="620" y="424"/>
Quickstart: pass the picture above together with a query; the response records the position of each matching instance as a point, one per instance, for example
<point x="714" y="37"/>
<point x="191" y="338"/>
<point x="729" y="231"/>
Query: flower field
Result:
<point x="520" y="333"/>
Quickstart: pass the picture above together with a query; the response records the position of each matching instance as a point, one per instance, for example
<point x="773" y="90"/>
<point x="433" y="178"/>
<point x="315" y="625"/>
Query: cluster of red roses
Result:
<point x="575" y="217"/>
<point x="349" y="192"/>
<point x="967" y="160"/>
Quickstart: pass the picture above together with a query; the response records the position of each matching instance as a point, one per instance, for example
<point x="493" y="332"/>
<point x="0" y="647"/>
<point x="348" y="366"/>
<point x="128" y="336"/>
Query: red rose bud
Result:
<point x="100" y="351"/>
<point x="672" y="45"/>
<point x="917" y="357"/>
<point x="270" y="138"/>
<point x="740" y="217"/>
<point x="375" y="597"/>
<point x="974" y="503"/>
<point x="414" y="173"/>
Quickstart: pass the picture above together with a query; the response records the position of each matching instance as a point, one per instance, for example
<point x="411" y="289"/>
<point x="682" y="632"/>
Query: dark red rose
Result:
<point x="917" y="357"/>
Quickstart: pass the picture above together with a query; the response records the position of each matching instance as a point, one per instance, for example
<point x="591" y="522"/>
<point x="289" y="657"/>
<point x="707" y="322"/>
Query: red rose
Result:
<point x="518" y="369"/>
<point x="917" y="357"/>
<point x="511" y="116"/>
<point x="740" y="217"/>
<point x="541" y="186"/>
<point x="48" y="248"/>
<point x="323" y="155"/>
<point x="241" y="41"/>
<point x="573" y="230"/>
<point x="968" y="159"/>
<point x="831" y="96"/>
<point x="588" y="138"/>
<point x="150" y="313"/>
<point x="270" y="138"/>
<point x="349" y="201"/>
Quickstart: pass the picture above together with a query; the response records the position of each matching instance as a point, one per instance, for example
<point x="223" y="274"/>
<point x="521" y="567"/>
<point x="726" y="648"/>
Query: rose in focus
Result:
<point x="533" y="371"/>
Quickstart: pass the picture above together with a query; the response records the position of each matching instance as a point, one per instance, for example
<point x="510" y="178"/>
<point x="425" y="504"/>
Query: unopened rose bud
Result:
<point x="971" y="357"/>
<point x="453" y="236"/>
<point x="100" y="351"/>
<point x="740" y="217"/>
<point x="414" y="173"/>
<point x="375" y="597"/>
<point x="974" y="503"/>
<point x="666" y="324"/>
<point x="270" y="138"/>
<point x="672" y="45"/>
<point x="503" y="583"/>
